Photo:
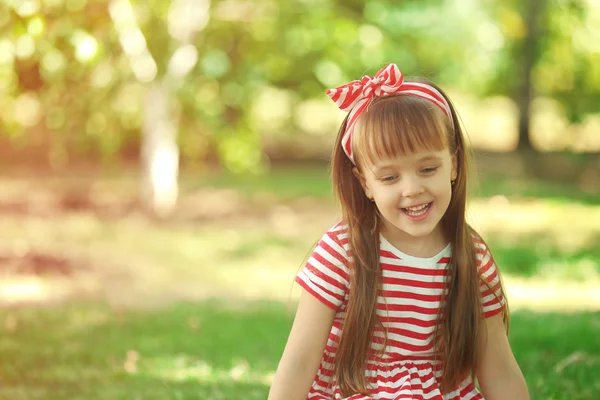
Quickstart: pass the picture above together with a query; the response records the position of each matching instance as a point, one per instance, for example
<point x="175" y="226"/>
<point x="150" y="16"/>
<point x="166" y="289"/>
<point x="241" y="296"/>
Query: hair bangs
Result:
<point x="399" y="125"/>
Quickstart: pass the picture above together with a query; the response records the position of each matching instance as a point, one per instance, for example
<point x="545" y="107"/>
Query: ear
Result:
<point x="454" y="173"/>
<point x="363" y="181"/>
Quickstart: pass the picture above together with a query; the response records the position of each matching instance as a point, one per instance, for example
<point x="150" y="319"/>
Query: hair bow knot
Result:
<point x="355" y="97"/>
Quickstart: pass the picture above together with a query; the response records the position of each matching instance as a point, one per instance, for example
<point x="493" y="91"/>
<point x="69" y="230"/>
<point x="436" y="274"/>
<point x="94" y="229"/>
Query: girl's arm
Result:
<point x="304" y="349"/>
<point x="499" y="374"/>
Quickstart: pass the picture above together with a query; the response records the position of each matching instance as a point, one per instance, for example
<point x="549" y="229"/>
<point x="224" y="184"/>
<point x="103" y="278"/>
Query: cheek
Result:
<point x="444" y="179"/>
<point x="384" y="196"/>
<point x="442" y="186"/>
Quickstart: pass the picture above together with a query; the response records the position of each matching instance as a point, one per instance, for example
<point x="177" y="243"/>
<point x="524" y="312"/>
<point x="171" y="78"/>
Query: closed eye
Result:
<point x="429" y="170"/>
<point x="389" y="178"/>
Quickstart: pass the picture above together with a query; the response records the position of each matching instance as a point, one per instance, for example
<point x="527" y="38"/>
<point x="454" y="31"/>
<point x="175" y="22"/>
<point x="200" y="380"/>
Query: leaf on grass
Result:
<point x="239" y="370"/>
<point x="10" y="323"/>
<point x="571" y="359"/>
<point x="193" y="323"/>
<point x="130" y="364"/>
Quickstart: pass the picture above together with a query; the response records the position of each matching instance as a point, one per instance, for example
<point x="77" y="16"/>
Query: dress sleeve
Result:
<point x="492" y="298"/>
<point x="326" y="274"/>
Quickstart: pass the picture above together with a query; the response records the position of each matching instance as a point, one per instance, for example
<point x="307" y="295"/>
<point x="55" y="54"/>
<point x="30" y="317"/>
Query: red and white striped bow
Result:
<point x="356" y="96"/>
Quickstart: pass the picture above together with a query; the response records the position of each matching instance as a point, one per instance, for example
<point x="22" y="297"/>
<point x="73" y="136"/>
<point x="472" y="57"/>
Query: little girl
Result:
<point x="401" y="299"/>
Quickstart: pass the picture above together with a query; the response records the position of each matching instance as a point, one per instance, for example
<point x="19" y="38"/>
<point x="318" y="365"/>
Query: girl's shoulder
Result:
<point x="338" y="232"/>
<point x="335" y="238"/>
<point x="484" y="259"/>
<point x="481" y="247"/>
<point x="340" y="227"/>
<point x="335" y="241"/>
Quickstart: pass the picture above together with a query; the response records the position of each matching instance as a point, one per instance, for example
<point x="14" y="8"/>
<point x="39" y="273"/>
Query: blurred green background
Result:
<point x="163" y="175"/>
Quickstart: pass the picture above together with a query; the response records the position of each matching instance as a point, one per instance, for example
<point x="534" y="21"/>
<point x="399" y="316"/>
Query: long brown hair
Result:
<point x="393" y="126"/>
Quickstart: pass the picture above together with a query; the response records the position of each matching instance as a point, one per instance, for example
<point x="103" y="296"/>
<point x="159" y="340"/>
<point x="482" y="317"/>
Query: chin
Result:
<point x="423" y="229"/>
<point x="420" y="233"/>
<point x="414" y="232"/>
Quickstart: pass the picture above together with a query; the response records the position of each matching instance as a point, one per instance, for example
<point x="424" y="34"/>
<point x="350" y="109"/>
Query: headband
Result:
<point x="356" y="96"/>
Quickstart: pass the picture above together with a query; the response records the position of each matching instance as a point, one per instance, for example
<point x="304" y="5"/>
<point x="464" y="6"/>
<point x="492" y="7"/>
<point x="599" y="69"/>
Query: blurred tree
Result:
<point x="99" y="60"/>
<point x="161" y="56"/>
<point x="78" y="74"/>
<point x="529" y="53"/>
<point x="552" y="49"/>
<point x="569" y="65"/>
<point x="52" y="72"/>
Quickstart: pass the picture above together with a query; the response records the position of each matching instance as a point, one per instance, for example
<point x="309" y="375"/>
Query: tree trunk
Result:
<point x="160" y="154"/>
<point x="528" y="57"/>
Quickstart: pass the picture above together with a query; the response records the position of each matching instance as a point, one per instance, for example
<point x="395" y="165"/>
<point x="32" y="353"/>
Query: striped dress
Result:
<point x="407" y="307"/>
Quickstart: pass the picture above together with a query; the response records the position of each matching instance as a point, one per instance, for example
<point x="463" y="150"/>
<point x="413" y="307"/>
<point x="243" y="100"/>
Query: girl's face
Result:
<point x="412" y="192"/>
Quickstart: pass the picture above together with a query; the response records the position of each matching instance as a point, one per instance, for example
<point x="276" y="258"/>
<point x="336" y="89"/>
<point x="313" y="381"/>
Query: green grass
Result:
<point x="282" y="182"/>
<point x="185" y="352"/>
<point x="559" y="192"/>
<point x="314" y="181"/>
<point x="219" y="350"/>
<point x="541" y="258"/>
<point x="229" y="350"/>
<point x="559" y="354"/>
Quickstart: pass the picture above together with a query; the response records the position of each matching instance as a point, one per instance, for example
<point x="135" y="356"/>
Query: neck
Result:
<point x="422" y="246"/>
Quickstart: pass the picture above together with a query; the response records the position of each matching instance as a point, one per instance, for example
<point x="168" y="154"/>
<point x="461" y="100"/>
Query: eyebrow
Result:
<point x="379" y="168"/>
<point x="430" y="158"/>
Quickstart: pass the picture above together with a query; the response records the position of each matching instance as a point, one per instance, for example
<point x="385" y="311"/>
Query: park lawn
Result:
<point x="99" y="343"/>
<point x="229" y="350"/>
<point x="291" y="182"/>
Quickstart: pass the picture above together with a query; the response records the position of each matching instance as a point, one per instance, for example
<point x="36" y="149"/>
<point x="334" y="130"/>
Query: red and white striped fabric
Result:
<point x="407" y="307"/>
<point x="355" y="97"/>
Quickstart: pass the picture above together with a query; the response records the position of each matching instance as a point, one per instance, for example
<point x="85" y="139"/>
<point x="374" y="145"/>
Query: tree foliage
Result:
<point x="73" y="73"/>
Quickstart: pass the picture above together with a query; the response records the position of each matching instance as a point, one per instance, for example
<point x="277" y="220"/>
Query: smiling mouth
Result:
<point x="417" y="211"/>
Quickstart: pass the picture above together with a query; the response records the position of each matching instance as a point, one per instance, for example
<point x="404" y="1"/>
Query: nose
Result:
<point x="411" y="186"/>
